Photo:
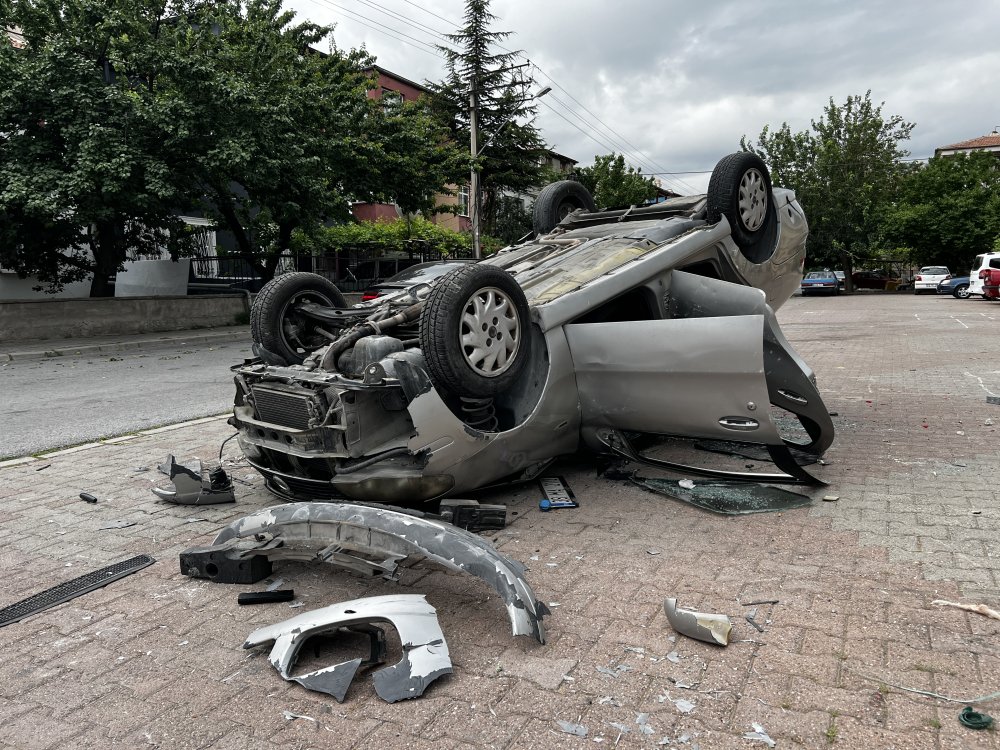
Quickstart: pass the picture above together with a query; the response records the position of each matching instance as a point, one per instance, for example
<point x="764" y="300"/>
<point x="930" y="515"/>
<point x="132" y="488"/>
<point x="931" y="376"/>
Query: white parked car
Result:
<point x="929" y="277"/>
<point x="984" y="261"/>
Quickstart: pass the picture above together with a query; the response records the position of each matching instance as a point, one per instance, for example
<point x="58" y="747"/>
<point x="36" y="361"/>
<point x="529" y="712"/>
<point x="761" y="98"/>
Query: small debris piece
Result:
<point x="761" y="601"/>
<point x="702" y="626"/>
<point x="557" y="494"/>
<point x="570" y="728"/>
<point x="275" y="584"/>
<point x="289" y="716"/>
<point x="959" y="432"/>
<point x="988" y="422"/>
<point x="296" y="605"/>
<point x="682" y="705"/>
<point x="620" y="727"/>
<point x="603" y="701"/>
<point x="652" y="551"/>
<point x="674" y="657"/>
<point x="993" y="400"/>
<point x="831" y="498"/>
<point x="750" y="618"/>
<point x="120" y="523"/>
<point x="616" y="671"/>
<point x="686" y="484"/>
<point x="643" y="721"/>
<point x="974" y="719"/>
<point x="979" y="609"/>
<point x="43" y="468"/>
<point x="88" y="498"/>
<point x="266" y="597"/>
<point x="635" y="649"/>
<point x="759" y="735"/>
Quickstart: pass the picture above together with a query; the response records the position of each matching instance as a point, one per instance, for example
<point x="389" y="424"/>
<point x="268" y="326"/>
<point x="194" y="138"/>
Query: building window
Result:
<point x="391" y="100"/>
<point x="463" y="200"/>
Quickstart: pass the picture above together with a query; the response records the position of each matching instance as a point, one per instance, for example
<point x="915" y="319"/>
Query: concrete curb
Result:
<point x="64" y="350"/>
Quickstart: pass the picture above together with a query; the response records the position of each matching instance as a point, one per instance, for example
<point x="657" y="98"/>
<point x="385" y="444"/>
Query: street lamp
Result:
<point x="474" y="178"/>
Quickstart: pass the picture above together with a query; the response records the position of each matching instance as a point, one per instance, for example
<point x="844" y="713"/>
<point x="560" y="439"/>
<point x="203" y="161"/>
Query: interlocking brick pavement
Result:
<point x="155" y="660"/>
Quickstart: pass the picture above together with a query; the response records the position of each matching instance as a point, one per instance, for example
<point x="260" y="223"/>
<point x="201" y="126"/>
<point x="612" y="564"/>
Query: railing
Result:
<point x="353" y="268"/>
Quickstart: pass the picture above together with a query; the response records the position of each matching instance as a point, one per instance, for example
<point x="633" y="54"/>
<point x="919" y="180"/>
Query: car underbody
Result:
<point x="651" y="320"/>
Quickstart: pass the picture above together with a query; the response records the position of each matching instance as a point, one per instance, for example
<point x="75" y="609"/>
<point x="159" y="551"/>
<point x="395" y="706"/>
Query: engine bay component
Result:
<point x="193" y="485"/>
<point x="425" y="652"/>
<point x="702" y="626"/>
<point x="366" y="539"/>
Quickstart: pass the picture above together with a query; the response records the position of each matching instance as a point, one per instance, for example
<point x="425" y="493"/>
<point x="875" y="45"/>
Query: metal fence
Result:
<point x="353" y="268"/>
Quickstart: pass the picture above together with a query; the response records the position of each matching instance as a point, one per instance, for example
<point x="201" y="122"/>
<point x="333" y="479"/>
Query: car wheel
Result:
<point x="961" y="291"/>
<point x="473" y="331"/>
<point x="740" y="190"/>
<point x="557" y="201"/>
<point x="278" y="328"/>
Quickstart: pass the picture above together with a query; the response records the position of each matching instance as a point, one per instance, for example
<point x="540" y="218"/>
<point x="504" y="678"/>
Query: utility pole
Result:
<point x="474" y="177"/>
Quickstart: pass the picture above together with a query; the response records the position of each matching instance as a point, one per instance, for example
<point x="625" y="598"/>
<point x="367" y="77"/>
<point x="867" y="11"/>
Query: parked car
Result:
<point x="929" y="277"/>
<point x="990" y="279"/>
<point x="606" y="325"/>
<point x="981" y="263"/>
<point x="841" y="279"/>
<point x="874" y="280"/>
<point x="957" y="286"/>
<point x="421" y="273"/>
<point x="820" y="282"/>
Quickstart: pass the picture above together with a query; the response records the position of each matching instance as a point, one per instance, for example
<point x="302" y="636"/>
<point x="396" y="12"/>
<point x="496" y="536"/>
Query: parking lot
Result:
<point x="155" y="660"/>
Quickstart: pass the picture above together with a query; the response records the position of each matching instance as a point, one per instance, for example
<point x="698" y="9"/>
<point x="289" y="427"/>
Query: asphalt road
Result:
<point x="63" y="401"/>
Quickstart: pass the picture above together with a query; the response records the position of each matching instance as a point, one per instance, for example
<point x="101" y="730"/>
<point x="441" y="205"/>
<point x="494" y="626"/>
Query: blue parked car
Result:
<point x="957" y="286"/>
<point x="818" y="282"/>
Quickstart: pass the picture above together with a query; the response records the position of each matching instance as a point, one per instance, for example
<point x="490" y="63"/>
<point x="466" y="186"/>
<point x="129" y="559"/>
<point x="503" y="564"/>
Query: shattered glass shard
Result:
<point x="727" y="498"/>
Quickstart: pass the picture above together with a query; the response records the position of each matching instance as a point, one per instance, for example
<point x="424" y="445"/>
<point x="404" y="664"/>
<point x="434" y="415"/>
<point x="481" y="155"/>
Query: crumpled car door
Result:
<point x="703" y="372"/>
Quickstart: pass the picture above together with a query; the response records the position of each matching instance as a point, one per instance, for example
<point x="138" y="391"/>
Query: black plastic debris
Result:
<point x="974" y="719"/>
<point x="88" y="498"/>
<point x="266" y="597"/>
<point x="71" y="589"/>
<point x="472" y="515"/>
<point x="753" y="452"/>
<point x="727" y="498"/>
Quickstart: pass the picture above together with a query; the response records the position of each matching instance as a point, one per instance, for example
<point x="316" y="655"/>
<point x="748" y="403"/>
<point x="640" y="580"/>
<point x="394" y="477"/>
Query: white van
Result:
<point x="986" y="260"/>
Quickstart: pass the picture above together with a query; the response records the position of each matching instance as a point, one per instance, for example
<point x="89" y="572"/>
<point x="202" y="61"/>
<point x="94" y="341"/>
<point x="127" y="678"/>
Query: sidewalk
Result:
<point x="21" y="350"/>
<point x="155" y="659"/>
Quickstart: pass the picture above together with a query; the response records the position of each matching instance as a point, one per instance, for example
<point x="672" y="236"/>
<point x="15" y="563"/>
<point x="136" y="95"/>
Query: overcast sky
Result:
<point x="676" y="84"/>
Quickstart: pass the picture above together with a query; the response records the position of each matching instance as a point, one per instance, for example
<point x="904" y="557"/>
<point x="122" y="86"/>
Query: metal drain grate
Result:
<point x="72" y="589"/>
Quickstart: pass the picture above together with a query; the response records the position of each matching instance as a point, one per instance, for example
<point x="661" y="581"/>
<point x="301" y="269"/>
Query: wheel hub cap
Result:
<point x="753" y="199"/>
<point x="490" y="332"/>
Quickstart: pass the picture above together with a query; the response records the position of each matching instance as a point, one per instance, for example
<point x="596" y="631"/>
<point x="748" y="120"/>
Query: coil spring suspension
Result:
<point x="479" y="413"/>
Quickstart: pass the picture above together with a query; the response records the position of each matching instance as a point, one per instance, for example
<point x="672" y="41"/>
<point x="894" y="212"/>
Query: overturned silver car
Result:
<point x="606" y="325"/>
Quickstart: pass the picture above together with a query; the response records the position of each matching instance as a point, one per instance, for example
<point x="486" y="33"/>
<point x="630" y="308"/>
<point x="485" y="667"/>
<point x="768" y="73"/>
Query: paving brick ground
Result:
<point x="155" y="660"/>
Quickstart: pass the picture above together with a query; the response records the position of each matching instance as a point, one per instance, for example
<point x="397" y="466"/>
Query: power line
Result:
<point x="382" y="29"/>
<point x="406" y="19"/>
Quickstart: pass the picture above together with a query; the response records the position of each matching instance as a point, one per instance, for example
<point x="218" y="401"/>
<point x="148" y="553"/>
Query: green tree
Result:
<point x="511" y="158"/>
<point x="845" y="171"/>
<point x="949" y="210"/>
<point x="615" y="185"/>
<point x="85" y="143"/>
<point x="277" y="135"/>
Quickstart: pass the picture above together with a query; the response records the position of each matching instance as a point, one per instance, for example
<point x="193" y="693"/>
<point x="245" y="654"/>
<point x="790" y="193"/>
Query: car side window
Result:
<point x="995" y="263"/>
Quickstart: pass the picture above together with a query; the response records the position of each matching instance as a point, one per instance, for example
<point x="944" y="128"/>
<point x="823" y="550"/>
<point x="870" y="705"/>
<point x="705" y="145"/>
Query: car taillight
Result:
<point x="369" y="296"/>
<point x="919" y="278"/>
<point x="949" y="276"/>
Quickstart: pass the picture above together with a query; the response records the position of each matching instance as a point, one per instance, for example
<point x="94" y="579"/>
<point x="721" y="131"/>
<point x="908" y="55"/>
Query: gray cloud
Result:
<point x="683" y="83"/>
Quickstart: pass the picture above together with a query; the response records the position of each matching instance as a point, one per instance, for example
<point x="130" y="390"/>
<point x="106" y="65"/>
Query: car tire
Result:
<point x="961" y="291"/>
<point x="740" y="190"/>
<point x="557" y="201"/>
<point x="275" y="327"/>
<point x="469" y="311"/>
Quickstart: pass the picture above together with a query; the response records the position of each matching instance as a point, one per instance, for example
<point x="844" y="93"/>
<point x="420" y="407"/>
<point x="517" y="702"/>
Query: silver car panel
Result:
<point x="425" y="652"/>
<point x="339" y="532"/>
